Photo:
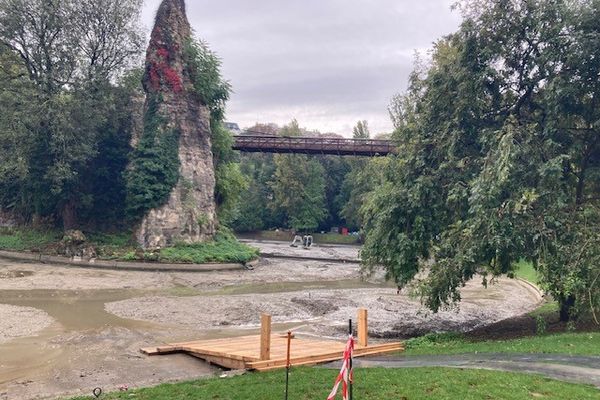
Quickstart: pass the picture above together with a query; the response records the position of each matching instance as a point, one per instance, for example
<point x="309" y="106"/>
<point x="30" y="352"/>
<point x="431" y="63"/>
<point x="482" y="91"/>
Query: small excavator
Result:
<point x="306" y="240"/>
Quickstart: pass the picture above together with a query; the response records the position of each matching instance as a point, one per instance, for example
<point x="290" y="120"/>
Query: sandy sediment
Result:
<point x="317" y="251"/>
<point x="101" y="318"/>
<point x="21" y="321"/>
<point x="327" y="311"/>
<point x="20" y="276"/>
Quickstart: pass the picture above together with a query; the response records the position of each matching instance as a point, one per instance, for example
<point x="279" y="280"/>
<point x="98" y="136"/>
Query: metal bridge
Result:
<point x="313" y="145"/>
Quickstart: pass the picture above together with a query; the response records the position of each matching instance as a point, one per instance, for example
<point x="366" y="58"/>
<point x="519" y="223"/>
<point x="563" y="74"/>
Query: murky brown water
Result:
<point x="74" y="310"/>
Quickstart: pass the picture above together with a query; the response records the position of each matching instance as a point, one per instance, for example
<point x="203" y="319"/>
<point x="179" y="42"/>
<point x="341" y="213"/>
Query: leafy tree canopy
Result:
<point x="499" y="156"/>
<point x="299" y="187"/>
<point x="63" y="61"/>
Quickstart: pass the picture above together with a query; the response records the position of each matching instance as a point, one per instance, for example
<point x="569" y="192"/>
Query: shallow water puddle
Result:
<point x="20" y="357"/>
<point x="74" y="310"/>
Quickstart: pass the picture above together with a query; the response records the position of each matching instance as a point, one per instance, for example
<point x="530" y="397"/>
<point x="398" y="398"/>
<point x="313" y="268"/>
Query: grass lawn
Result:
<point x="220" y="251"/>
<point x="121" y="246"/>
<point x="525" y="270"/>
<point x="587" y="343"/>
<point x="26" y="239"/>
<point x="335" y="238"/>
<point x="370" y="384"/>
<point x="580" y="343"/>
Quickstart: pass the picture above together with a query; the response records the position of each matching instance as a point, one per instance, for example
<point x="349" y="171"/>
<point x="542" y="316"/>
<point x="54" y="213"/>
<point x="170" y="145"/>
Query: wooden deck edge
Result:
<point x="317" y="359"/>
<point x="159" y="351"/>
<point x="381" y="347"/>
<point x="223" y="362"/>
<point x="217" y="354"/>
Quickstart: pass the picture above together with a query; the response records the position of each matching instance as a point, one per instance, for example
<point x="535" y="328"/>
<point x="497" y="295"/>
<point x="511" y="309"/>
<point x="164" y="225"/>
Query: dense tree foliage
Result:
<point x="358" y="182"/>
<point x="286" y="191"/>
<point x="499" y="142"/>
<point x="154" y="164"/>
<point x="69" y="96"/>
<point x="299" y="187"/>
<point x="214" y="92"/>
<point x="61" y="61"/>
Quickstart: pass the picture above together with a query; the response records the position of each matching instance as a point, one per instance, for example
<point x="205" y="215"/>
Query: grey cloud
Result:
<point x="289" y="59"/>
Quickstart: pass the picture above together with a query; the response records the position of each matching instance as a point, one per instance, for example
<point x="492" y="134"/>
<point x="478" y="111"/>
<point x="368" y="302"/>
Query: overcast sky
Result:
<point x="327" y="63"/>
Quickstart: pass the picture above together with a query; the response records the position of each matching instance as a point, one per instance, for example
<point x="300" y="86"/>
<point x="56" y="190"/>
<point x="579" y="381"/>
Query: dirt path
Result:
<point x="70" y="330"/>
<point x="575" y="369"/>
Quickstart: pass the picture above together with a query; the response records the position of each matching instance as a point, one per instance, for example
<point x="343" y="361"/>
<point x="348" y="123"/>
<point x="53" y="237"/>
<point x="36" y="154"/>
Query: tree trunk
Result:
<point x="581" y="183"/>
<point x="69" y="215"/>
<point x="566" y="308"/>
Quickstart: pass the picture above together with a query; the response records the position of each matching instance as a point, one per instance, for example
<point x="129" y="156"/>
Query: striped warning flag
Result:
<point x="345" y="377"/>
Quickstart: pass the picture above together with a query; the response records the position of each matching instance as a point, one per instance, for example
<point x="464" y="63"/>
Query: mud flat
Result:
<point x="34" y="276"/>
<point x="73" y="329"/>
<point x="344" y="252"/>
<point x="326" y="311"/>
<point x="21" y="321"/>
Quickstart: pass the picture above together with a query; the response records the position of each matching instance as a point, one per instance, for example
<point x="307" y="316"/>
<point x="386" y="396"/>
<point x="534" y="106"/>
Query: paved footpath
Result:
<point x="576" y="369"/>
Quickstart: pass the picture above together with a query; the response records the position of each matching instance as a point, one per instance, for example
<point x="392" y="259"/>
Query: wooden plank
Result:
<point x="221" y="361"/>
<point x="363" y="330"/>
<point x="320" y="358"/>
<point x="156" y="351"/>
<point x="265" y="337"/>
<point x="245" y="351"/>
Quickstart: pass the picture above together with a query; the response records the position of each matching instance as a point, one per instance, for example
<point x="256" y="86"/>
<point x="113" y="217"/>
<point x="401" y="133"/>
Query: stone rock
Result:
<point x="74" y="244"/>
<point x="189" y="216"/>
<point x="74" y="237"/>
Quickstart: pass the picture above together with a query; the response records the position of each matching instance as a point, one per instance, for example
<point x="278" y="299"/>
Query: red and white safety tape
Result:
<point x="345" y="376"/>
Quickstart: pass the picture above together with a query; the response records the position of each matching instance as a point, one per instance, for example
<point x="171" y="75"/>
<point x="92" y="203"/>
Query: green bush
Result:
<point x="225" y="248"/>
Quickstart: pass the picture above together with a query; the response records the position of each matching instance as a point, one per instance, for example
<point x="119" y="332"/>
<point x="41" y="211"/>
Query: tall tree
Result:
<point x="72" y="52"/>
<point x="253" y="212"/>
<point x="358" y="182"/>
<point x="498" y="141"/>
<point x="361" y="130"/>
<point x="299" y="187"/>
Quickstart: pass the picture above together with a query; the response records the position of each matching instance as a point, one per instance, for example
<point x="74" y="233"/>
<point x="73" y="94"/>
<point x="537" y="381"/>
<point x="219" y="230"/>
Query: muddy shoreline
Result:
<point x="21" y="321"/>
<point x="80" y="328"/>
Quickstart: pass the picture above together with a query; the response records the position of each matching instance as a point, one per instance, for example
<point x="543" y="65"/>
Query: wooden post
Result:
<point x="363" y="328"/>
<point x="288" y="364"/>
<point x="265" y="337"/>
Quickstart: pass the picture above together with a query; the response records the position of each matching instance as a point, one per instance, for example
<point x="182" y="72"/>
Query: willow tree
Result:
<point x="499" y="157"/>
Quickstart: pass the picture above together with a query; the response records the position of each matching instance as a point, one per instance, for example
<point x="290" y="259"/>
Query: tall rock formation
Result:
<point x="173" y="111"/>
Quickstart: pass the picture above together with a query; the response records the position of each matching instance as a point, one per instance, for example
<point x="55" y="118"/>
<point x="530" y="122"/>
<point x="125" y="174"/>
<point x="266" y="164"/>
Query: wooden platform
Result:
<point x="245" y="352"/>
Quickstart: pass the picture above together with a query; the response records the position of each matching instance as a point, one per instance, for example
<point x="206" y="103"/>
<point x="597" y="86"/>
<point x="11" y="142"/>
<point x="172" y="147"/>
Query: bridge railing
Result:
<point x="313" y="145"/>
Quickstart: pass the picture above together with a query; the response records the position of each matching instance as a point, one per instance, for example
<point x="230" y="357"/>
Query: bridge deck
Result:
<point x="314" y="145"/>
<point x="244" y="352"/>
